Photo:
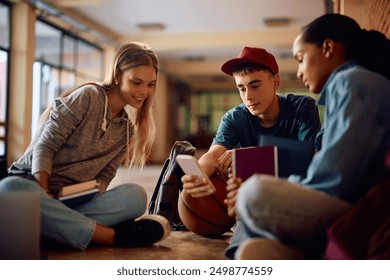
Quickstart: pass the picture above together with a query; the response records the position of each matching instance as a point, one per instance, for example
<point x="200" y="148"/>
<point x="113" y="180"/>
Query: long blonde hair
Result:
<point x="130" y="55"/>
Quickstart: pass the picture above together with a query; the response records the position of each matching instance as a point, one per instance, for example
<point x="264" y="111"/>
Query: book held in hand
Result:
<point x="251" y="160"/>
<point x="77" y="194"/>
<point x="294" y="156"/>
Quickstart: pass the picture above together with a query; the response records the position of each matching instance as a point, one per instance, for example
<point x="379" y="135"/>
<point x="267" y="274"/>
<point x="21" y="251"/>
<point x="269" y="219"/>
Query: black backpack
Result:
<point x="165" y="197"/>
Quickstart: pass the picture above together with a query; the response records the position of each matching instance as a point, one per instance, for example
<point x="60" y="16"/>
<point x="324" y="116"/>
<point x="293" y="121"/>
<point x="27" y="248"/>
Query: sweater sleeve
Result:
<point x="62" y="121"/>
<point x="108" y="173"/>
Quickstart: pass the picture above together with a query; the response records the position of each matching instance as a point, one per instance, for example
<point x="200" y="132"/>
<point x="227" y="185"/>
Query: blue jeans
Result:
<point x="280" y="210"/>
<point x="75" y="227"/>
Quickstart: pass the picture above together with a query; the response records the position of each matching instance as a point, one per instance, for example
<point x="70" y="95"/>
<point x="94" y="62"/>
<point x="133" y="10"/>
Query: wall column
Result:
<point x="21" y="73"/>
<point x="162" y="109"/>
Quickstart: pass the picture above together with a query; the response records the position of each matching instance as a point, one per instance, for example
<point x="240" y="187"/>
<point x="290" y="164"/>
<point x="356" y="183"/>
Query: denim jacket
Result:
<point x="355" y="134"/>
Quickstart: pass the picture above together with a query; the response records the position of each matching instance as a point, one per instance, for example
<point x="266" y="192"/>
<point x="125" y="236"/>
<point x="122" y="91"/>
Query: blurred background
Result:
<point x="47" y="47"/>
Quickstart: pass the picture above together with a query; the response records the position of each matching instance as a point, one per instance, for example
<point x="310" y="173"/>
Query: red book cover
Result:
<point x="260" y="159"/>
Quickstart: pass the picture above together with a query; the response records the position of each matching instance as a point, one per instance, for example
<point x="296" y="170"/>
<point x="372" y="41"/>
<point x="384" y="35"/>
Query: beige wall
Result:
<point x="162" y="144"/>
<point x="370" y="14"/>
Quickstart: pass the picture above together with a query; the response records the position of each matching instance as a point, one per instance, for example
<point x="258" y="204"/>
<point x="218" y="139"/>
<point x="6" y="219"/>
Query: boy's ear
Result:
<point x="328" y="47"/>
<point x="276" y="82"/>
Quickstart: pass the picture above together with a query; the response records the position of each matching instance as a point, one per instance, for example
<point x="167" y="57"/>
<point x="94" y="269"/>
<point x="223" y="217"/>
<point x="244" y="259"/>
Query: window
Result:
<point x="62" y="61"/>
<point x="89" y="61"/>
<point x="5" y="19"/>
<point x="212" y="106"/>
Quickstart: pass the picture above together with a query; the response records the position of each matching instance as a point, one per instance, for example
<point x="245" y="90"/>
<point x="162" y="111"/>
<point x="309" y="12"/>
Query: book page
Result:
<point x="71" y="189"/>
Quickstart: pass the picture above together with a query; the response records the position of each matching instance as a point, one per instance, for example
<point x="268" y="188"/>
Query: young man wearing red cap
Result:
<point x="262" y="112"/>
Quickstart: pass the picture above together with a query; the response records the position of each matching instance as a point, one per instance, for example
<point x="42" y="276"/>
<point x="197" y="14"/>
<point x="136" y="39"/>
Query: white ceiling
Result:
<point x="200" y="35"/>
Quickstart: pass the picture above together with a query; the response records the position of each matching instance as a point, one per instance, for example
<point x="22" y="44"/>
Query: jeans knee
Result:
<point x="15" y="183"/>
<point x="137" y="191"/>
<point x="254" y="191"/>
<point x="133" y="197"/>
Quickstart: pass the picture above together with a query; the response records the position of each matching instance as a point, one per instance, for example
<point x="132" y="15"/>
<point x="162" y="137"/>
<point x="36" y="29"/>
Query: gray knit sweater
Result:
<point x="73" y="147"/>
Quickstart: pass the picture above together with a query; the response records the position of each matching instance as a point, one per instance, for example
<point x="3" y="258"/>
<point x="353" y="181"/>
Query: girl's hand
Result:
<point x="233" y="184"/>
<point x="42" y="178"/>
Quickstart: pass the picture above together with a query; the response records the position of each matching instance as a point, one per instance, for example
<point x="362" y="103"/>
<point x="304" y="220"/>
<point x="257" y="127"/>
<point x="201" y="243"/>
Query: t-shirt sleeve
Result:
<point x="227" y="134"/>
<point x="308" y="119"/>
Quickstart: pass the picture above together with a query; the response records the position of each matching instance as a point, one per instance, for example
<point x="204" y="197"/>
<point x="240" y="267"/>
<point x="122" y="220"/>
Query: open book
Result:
<point x="77" y="194"/>
<point x="251" y="160"/>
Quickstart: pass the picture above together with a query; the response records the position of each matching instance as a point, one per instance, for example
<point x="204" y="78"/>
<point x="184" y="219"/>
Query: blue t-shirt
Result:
<point x="298" y="119"/>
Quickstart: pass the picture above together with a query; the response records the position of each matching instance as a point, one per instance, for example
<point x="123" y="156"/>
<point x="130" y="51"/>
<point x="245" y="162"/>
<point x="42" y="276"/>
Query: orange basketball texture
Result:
<point x="206" y="216"/>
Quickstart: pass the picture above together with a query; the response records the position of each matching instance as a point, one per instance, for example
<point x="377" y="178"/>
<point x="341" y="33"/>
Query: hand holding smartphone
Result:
<point x="190" y="165"/>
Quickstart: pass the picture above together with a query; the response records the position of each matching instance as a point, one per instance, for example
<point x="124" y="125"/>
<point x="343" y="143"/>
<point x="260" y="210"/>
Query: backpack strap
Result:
<point x="157" y="188"/>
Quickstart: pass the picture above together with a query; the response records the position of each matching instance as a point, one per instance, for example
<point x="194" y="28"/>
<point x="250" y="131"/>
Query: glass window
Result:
<point x="68" y="56"/>
<point x="68" y="80"/>
<point x="62" y="62"/>
<point x="4" y="26"/>
<point x="3" y="101"/>
<point x="47" y="44"/>
<point x="45" y="89"/>
<point x="5" y="20"/>
<point x="89" y="61"/>
<point x="3" y="84"/>
<point x="212" y="105"/>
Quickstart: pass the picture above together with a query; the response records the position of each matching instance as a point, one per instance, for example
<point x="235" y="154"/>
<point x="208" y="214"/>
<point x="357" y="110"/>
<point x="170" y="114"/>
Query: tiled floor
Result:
<point x="180" y="245"/>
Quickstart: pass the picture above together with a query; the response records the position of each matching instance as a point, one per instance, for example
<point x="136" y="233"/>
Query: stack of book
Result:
<point x="77" y="194"/>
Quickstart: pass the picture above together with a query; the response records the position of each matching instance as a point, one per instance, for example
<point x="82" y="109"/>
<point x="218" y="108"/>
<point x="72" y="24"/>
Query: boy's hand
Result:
<point x="195" y="186"/>
<point x="224" y="163"/>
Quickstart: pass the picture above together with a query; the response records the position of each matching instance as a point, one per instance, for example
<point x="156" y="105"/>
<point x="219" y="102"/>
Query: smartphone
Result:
<point x="190" y="165"/>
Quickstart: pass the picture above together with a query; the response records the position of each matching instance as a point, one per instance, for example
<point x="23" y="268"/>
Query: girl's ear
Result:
<point x="116" y="80"/>
<point x="328" y="48"/>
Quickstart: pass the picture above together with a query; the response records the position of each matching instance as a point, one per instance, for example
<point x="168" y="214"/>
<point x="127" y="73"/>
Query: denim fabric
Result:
<point x="75" y="227"/>
<point x="280" y="210"/>
<point x="355" y="134"/>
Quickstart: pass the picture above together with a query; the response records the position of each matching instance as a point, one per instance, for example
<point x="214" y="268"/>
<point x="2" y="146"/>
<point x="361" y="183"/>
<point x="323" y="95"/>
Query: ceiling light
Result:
<point x="194" y="58"/>
<point x="152" y="26"/>
<point x="277" y="21"/>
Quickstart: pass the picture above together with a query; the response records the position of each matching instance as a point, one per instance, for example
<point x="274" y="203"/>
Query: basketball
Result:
<point x="206" y="216"/>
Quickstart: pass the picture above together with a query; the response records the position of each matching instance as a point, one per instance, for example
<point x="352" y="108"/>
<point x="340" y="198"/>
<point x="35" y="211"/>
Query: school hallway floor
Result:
<point x="180" y="245"/>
